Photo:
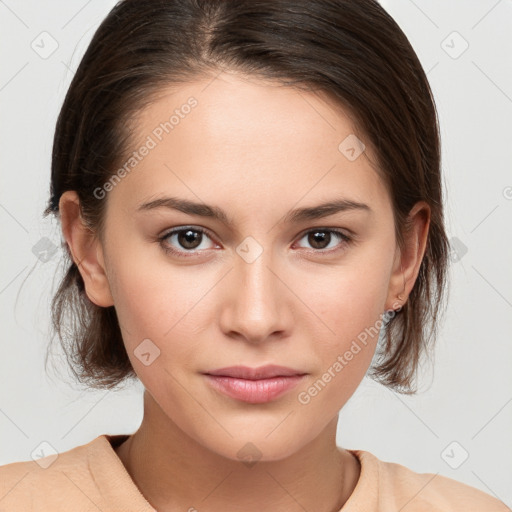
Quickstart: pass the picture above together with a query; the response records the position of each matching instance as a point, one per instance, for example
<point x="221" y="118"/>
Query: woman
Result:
<point x="250" y="195"/>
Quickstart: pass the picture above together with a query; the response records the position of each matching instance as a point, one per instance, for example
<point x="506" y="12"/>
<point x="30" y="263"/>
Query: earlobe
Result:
<point x="86" y="251"/>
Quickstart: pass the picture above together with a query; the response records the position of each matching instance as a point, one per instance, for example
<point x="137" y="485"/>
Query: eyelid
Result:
<point x="341" y="231"/>
<point x="178" y="229"/>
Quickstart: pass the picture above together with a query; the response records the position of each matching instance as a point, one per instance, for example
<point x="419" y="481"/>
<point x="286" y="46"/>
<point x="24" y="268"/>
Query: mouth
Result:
<point x="254" y="385"/>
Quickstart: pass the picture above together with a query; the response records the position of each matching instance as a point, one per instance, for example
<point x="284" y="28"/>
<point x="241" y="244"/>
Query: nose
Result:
<point x="257" y="302"/>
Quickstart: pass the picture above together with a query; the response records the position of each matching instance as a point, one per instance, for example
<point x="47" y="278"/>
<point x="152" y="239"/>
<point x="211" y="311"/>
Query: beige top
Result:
<point x="91" y="477"/>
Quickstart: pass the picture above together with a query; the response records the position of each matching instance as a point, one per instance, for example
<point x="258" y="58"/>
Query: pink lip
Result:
<point x="254" y="385"/>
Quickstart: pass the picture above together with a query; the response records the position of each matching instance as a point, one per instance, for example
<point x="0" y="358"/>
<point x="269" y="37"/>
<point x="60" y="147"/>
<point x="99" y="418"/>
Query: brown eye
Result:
<point x="319" y="239"/>
<point x="180" y="241"/>
<point x="322" y="239"/>
<point x="189" y="239"/>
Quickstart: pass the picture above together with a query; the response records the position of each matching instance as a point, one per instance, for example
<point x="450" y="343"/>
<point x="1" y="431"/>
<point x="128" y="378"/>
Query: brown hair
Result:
<point x="352" y="50"/>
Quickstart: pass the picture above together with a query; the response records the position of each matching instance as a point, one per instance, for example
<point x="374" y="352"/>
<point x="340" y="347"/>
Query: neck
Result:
<point x="175" y="472"/>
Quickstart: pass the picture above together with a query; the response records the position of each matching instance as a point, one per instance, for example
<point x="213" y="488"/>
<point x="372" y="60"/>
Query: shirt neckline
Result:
<point x="116" y="485"/>
<point x="120" y="489"/>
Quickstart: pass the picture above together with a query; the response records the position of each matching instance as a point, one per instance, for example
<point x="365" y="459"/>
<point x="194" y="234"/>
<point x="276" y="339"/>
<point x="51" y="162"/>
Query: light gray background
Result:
<point x="467" y="399"/>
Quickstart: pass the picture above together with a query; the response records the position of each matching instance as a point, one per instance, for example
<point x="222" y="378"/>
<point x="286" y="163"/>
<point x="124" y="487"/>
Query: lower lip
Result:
<point x="254" y="391"/>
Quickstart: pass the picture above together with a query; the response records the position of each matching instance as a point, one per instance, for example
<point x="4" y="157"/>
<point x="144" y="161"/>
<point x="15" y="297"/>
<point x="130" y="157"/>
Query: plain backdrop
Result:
<point x="459" y="423"/>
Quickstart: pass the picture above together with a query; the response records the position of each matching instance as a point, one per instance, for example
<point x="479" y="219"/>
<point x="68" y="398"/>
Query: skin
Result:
<point x="257" y="151"/>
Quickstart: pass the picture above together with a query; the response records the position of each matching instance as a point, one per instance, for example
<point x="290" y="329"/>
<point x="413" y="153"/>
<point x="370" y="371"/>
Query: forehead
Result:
<point x="234" y="140"/>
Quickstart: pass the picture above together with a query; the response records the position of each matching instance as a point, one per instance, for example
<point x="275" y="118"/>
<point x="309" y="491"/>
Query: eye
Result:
<point x="183" y="240"/>
<point x="321" y="239"/>
<point x="189" y="239"/>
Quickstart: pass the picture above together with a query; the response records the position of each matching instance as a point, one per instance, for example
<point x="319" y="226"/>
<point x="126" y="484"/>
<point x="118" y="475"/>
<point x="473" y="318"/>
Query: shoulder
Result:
<point x="50" y="480"/>
<point x="399" y="486"/>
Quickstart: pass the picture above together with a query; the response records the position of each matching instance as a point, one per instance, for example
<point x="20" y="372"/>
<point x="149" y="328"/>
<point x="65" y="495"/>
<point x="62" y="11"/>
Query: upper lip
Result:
<point x="262" y="372"/>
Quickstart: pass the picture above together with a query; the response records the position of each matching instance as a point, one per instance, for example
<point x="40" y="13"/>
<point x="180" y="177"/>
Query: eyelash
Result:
<point x="345" y="240"/>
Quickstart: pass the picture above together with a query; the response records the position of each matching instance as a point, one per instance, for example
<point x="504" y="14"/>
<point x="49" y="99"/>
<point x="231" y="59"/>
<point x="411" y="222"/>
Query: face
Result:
<point x="266" y="281"/>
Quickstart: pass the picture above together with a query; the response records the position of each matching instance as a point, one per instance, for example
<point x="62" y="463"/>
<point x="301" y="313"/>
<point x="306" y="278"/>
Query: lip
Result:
<point x="262" y="372"/>
<point x="254" y="385"/>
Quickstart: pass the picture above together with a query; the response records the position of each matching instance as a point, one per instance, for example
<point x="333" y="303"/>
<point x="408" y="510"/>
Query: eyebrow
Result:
<point x="294" y="216"/>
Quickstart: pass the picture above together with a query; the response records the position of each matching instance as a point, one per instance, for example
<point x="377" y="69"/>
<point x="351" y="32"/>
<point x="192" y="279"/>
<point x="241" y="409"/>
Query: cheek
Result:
<point x="159" y="303"/>
<point x="344" y="356"/>
<point x="350" y="304"/>
<point x="351" y="298"/>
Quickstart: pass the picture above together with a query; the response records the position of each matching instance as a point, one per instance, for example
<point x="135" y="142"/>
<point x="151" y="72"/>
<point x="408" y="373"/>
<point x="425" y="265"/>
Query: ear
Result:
<point x="86" y="250"/>
<point x="408" y="260"/>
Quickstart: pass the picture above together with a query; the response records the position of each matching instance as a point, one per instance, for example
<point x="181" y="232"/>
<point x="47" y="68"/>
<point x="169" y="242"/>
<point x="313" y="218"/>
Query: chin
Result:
<point x="252" y="446"/>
